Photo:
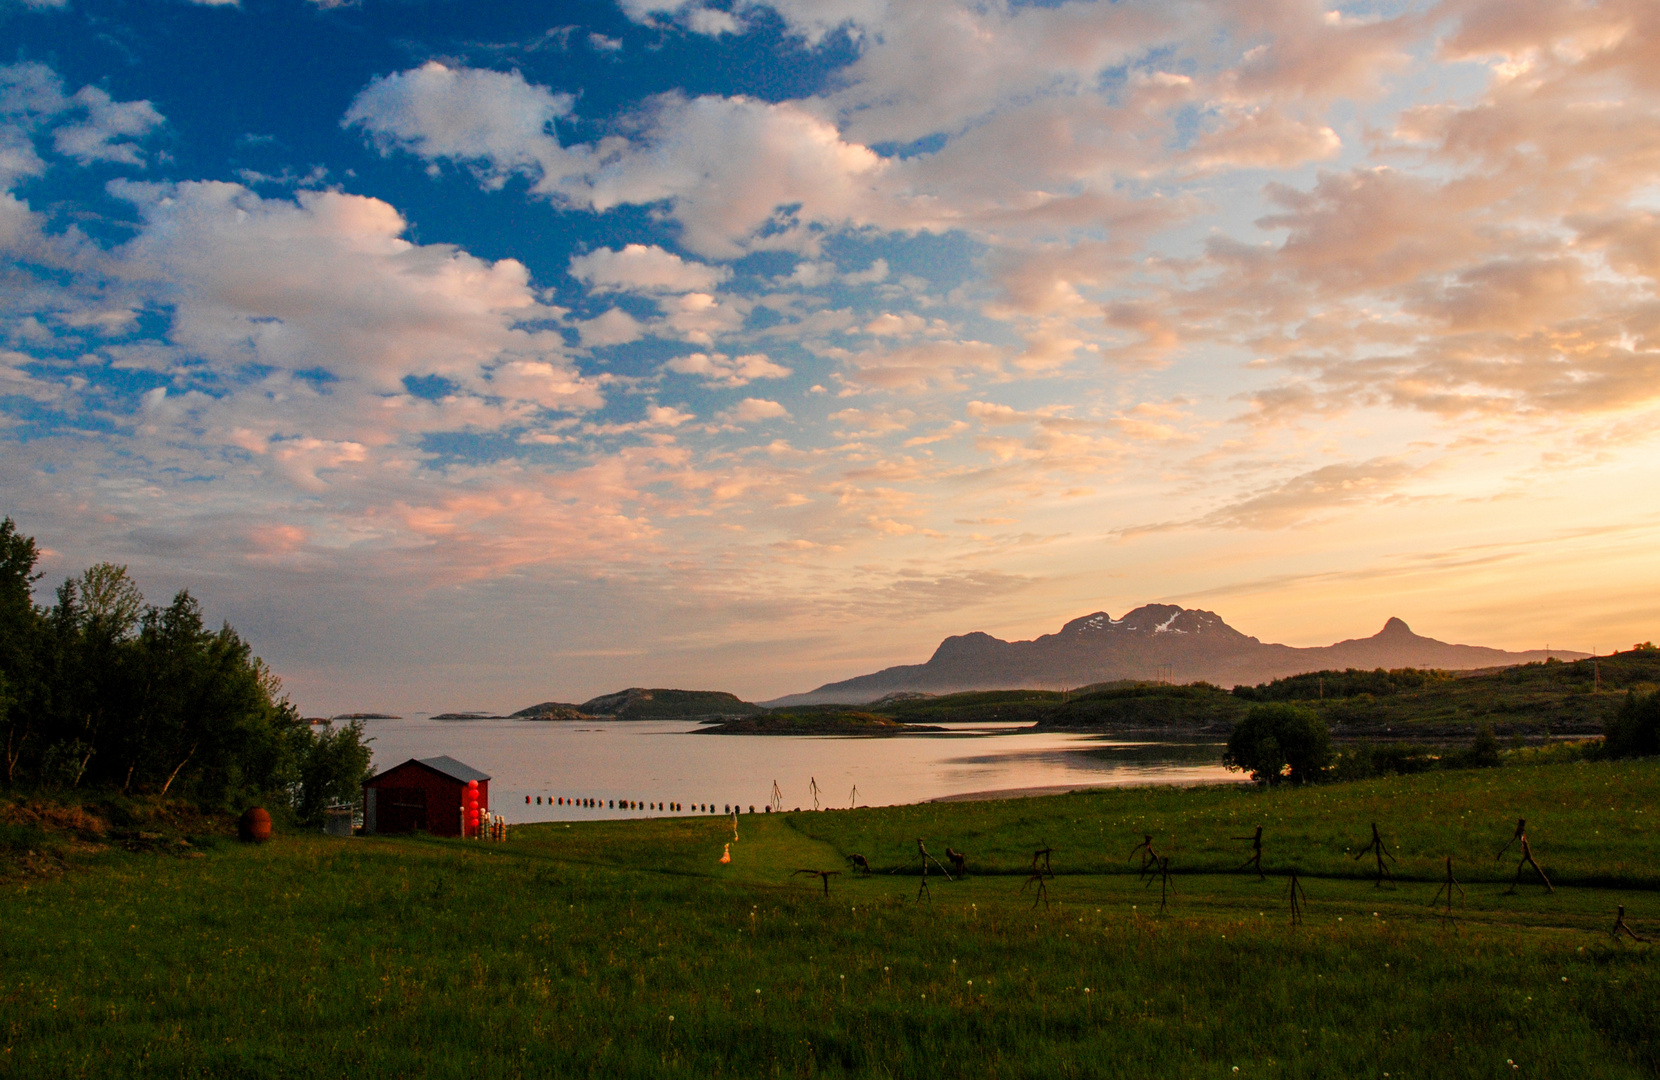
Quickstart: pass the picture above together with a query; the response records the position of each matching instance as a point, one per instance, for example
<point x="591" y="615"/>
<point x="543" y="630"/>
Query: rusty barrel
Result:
<point x="254" y="826"/>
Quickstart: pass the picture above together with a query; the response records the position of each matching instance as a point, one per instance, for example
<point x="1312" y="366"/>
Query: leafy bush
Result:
<point x="332" y="771"/>
<point x="1399" y="759"/>
<point x="1483" y="752"/>
<point x="1279" y="742"/>
<point x="1635" y="730"/>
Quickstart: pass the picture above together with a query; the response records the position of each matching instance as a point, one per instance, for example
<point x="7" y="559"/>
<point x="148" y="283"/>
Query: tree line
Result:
<point x="101" y="691"/>
<point x="1285" y="742"/>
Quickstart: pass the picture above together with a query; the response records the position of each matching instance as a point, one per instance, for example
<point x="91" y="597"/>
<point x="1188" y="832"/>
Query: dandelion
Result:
<point x="671" y="1019"/>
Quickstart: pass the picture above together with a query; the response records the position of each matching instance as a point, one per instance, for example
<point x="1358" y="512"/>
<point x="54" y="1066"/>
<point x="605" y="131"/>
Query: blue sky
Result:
<point x="470" y="355"/>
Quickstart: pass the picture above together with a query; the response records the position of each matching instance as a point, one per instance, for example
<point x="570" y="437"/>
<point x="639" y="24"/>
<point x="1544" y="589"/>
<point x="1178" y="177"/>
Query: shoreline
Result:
<point x="1000" y="794"/>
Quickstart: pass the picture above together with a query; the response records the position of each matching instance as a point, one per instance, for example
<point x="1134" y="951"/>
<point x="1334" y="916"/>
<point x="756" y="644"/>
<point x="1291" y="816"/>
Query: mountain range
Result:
<point x="1160" y="642"/>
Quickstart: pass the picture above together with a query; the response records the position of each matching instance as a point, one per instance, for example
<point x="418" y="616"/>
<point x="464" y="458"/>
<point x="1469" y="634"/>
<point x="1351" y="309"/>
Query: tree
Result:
<point x="19" y="641"/>
<point x="333" y="766"/>
<point x="1279" y="742"/>
<point x="103" y="691"/>
<point x="1635" y="730"/>
<point x="1484" y="750"/>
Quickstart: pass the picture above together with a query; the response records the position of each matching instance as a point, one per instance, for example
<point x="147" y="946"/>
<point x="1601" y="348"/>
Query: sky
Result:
<point x="466" y="355"/>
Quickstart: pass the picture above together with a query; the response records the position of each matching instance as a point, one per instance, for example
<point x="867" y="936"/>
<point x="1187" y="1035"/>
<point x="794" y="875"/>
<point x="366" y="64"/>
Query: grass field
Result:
<point x="626" y="949"/>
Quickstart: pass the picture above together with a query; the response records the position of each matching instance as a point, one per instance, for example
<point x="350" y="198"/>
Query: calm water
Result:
<point x="652" y="761"/>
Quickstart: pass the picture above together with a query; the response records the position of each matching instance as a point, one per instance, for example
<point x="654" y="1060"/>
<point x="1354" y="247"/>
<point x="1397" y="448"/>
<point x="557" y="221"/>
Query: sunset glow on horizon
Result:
<point x="466" y="356"/>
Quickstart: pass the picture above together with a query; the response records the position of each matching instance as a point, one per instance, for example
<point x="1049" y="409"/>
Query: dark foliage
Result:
<point x="103" y="692"/>
<point x="1320" y="685"/>
<point x="1635" y="729"/>
<point x="1483" y="752"/>
<point x="332" y="768"/>
<point x="1277" y="742"/>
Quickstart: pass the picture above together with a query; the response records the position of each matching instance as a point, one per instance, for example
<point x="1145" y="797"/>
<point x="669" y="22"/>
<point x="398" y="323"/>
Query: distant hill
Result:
<point x="552" y="710"/>
<point x="1531" y="701"/>
<point x="814" y="723"/>
<point x="1159" y="642"/>
<point x="637" y="703"/>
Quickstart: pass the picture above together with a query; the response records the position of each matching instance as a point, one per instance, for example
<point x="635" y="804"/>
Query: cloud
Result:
<point x="613" y="327"/>
<point x="646" y="269"/>
<point x="1315" y="494"/>
<point x="905" y="324"/>
<point x="939" y="364"/>
<point x="754" y="410"/>
<point x="870" y="423"/>
<point x="696" y="17"/>
<point x="697" y="317"/>
<point x="1263" y="138"/>
<point x="99" y="128"/>
<point x="725" y="165"/>
<point x="718" y="369"/>
<point x="327" y="282"/>
<point x="934" y="65"/>
<point x="498" y="123"/>
<point x="103" y="135"/>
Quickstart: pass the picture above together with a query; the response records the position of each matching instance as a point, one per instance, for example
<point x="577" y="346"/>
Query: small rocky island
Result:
<point x="814" y="723"/>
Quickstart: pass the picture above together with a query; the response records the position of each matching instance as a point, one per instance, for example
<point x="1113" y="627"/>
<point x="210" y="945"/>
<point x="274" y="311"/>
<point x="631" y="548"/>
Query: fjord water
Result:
<point x="669" y="761"/>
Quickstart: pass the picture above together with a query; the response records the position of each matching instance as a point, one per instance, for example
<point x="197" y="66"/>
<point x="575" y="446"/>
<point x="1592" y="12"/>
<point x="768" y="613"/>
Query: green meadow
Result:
<point x="627" y="949"/>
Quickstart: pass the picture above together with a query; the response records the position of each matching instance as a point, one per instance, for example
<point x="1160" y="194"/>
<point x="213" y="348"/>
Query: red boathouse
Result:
<point x="422" y="793"/>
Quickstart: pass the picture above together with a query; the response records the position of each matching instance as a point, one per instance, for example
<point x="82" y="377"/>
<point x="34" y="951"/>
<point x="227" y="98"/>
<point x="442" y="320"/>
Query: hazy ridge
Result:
<point x="1154" y="642"/>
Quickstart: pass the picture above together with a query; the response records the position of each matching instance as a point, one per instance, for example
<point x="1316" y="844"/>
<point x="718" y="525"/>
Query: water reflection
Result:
<point x="668" y="761"/>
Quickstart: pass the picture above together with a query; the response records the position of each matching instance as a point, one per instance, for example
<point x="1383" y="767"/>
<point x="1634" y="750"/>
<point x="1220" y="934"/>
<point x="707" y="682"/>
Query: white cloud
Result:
<point x="720" y="370"/>
<point x="695" y="16"/>
<point x="698" y="318"/>
<point x="646" y="269"/>
<point x="613" y="327"/>
<point x="499" y="123"/>
<point x="103" y="135"/>
<point x="725" y="166"/>
<point x="668" y="416"/>
<point x="753" y="410"/>
<point x="932" y="66"/>
<point x="32" y="97"/>
<point x="1264" y="138"/>
<point x="328" y="282"/>
<point x="30" y="92"/>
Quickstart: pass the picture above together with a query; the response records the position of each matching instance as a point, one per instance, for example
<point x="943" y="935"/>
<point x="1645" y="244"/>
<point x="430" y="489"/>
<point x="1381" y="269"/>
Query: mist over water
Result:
<point x="668" y="761"/>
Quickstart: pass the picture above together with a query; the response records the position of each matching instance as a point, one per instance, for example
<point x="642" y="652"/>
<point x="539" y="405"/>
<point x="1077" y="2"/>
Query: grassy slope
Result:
<point x="565" y="951"/>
